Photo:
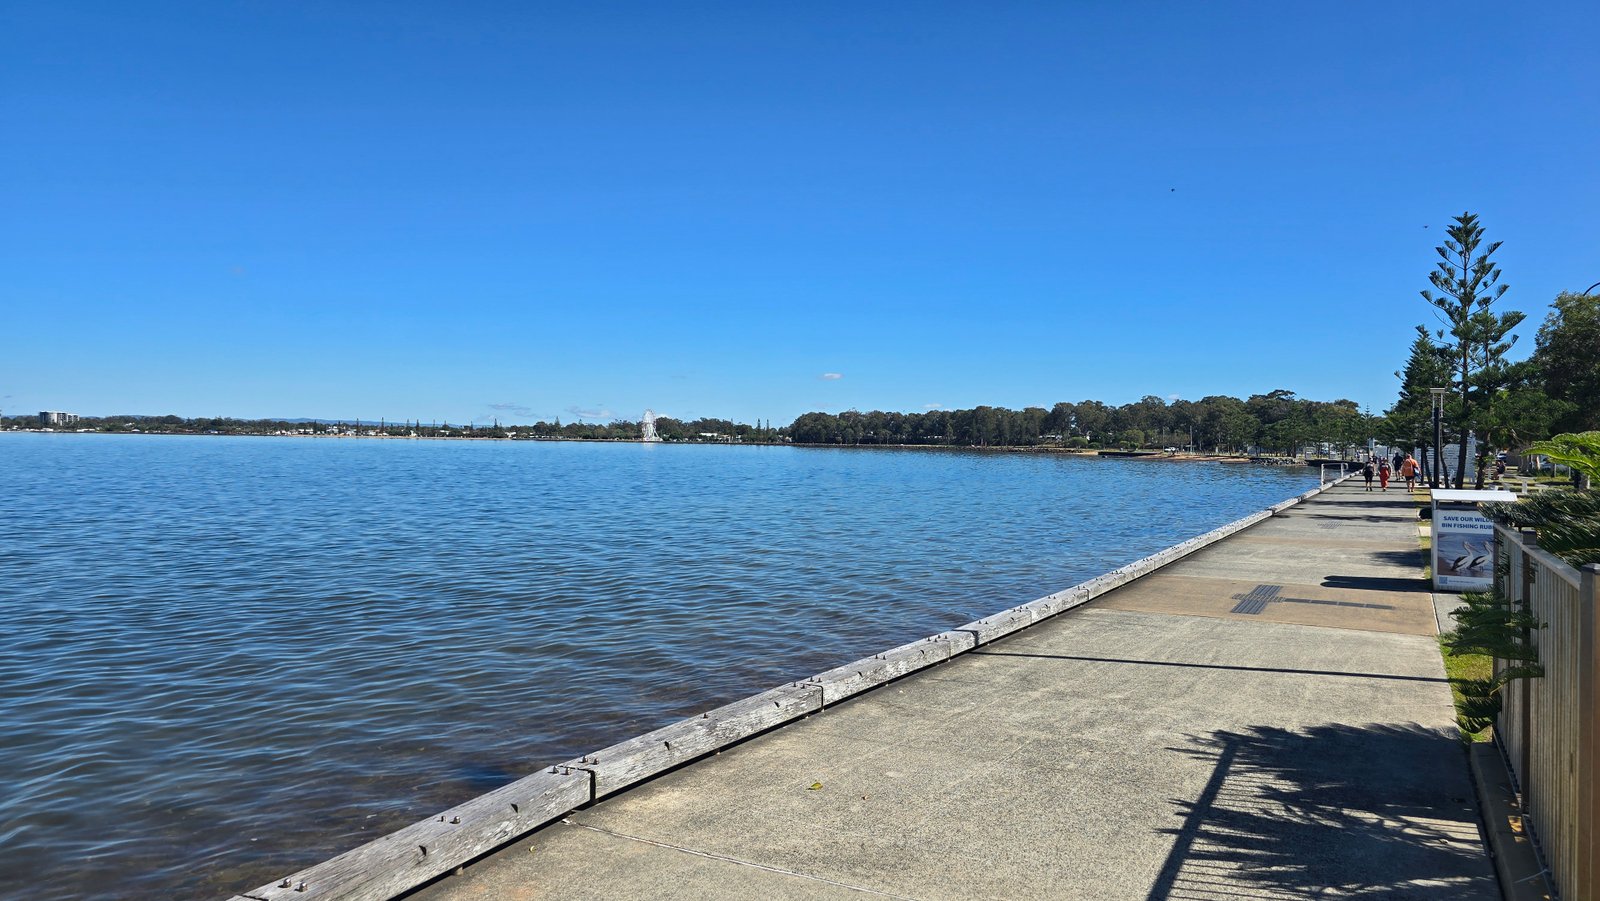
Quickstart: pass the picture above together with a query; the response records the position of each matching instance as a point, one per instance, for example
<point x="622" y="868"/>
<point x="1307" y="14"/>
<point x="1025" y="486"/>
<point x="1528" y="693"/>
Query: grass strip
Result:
<point x="1462" y="669"/>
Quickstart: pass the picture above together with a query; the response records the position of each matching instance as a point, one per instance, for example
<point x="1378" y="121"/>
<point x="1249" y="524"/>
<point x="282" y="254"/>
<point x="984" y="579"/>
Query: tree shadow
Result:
<point x="1411" y="558"/>
<point x="1379" y="811"/>
<point x="1376" y="583"/>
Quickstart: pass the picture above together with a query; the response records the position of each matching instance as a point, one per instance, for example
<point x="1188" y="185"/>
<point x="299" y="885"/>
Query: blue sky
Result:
<point x="467" y="210"/>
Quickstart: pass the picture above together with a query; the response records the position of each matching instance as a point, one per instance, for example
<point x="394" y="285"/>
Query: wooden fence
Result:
<point x="1547" y="727"/>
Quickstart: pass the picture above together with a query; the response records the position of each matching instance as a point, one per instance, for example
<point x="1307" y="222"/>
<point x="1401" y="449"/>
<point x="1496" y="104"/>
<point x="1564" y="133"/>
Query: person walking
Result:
<point x="1383" y="474"/>
<point x="1408" y="471"/>
<point x="1366" y="473"/>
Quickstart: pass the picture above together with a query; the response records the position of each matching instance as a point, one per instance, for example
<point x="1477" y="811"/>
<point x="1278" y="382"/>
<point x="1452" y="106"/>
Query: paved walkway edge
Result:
<point x="1516" y="863"/>
<point x="403" y="860"/>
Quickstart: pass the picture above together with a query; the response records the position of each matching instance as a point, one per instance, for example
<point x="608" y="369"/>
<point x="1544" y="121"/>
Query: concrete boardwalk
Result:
<point x="1267" y="718"/>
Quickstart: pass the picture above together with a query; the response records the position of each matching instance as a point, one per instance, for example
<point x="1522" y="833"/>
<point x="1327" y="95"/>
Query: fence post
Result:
<point x="1588" y="774"/>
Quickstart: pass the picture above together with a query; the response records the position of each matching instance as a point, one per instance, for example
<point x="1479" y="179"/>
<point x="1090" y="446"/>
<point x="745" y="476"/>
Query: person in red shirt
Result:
<point x="1383" y="474"/>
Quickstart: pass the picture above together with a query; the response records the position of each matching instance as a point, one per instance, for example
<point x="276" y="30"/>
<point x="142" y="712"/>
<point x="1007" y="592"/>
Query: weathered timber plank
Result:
<point x="960" y="642"/>
<point x="999" y="625"/>
<point x="405" y="859"/>
<point x="637" y="759"/>
<point x="1052" y="604"/>
<point x="1103" y="583"/>
<point x="853" y="678"/>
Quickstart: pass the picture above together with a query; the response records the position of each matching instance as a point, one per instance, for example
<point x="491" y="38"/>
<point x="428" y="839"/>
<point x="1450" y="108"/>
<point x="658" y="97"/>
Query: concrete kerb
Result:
<point x="1522" y="877"/>
<point x="398" y="862"/>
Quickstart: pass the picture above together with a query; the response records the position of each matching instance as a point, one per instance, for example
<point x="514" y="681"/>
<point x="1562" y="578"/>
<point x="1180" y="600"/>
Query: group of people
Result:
<point x="1405" y="464"/>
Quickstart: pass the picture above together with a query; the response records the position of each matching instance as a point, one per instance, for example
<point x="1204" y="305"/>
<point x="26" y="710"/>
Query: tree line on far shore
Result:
<point x="1277" y="420"/>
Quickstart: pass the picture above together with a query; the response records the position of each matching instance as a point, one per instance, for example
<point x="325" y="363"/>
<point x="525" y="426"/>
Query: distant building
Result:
<point x="56" y="417"/>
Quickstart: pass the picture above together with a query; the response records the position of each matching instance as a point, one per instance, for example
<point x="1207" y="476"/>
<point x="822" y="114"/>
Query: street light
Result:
<point x="1438" y="434"/>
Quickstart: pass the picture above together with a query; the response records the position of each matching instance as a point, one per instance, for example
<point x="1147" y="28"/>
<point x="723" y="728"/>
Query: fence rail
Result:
<point x="1547" y="726"/>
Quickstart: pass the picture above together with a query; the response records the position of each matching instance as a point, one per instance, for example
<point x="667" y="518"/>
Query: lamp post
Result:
<point x="1438" y="434"/>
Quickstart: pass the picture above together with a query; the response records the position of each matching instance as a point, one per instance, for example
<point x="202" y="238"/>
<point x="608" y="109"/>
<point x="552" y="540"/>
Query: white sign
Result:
<point x="1463" y="549"/>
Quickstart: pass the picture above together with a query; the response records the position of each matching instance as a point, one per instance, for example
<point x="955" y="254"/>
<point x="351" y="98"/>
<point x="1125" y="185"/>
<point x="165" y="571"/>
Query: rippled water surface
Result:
<point x="226" y="658"/>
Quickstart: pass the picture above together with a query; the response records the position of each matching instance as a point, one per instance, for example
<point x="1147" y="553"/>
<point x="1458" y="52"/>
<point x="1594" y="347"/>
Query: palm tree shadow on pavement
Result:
<point x="1375" y="811"/>
<point x="1413" y="557"/>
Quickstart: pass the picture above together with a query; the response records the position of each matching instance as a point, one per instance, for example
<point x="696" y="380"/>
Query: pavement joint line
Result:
<point x="1220" y="666"/>
<point x="745" y="863"/>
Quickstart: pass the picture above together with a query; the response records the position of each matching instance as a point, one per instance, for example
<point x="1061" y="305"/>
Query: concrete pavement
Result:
<point x="1267" y="718"/>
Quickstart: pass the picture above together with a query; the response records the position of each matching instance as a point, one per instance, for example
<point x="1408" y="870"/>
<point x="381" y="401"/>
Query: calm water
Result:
<point x="229" y="658"/>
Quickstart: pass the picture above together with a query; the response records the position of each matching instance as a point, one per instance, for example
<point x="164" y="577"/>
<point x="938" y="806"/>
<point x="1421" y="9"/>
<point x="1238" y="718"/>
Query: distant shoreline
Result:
<point x="994" y="448"/>
<point x="144" y="434"/>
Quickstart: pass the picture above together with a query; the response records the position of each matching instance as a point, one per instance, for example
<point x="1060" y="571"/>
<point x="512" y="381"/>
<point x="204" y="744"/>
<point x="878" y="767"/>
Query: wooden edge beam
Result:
<point x="960" y="642"/>
<point x="626" y="763"/>
<point x="869" y="672"/>
<point x="403" y="860"/>
<point x="999" y="625"/>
